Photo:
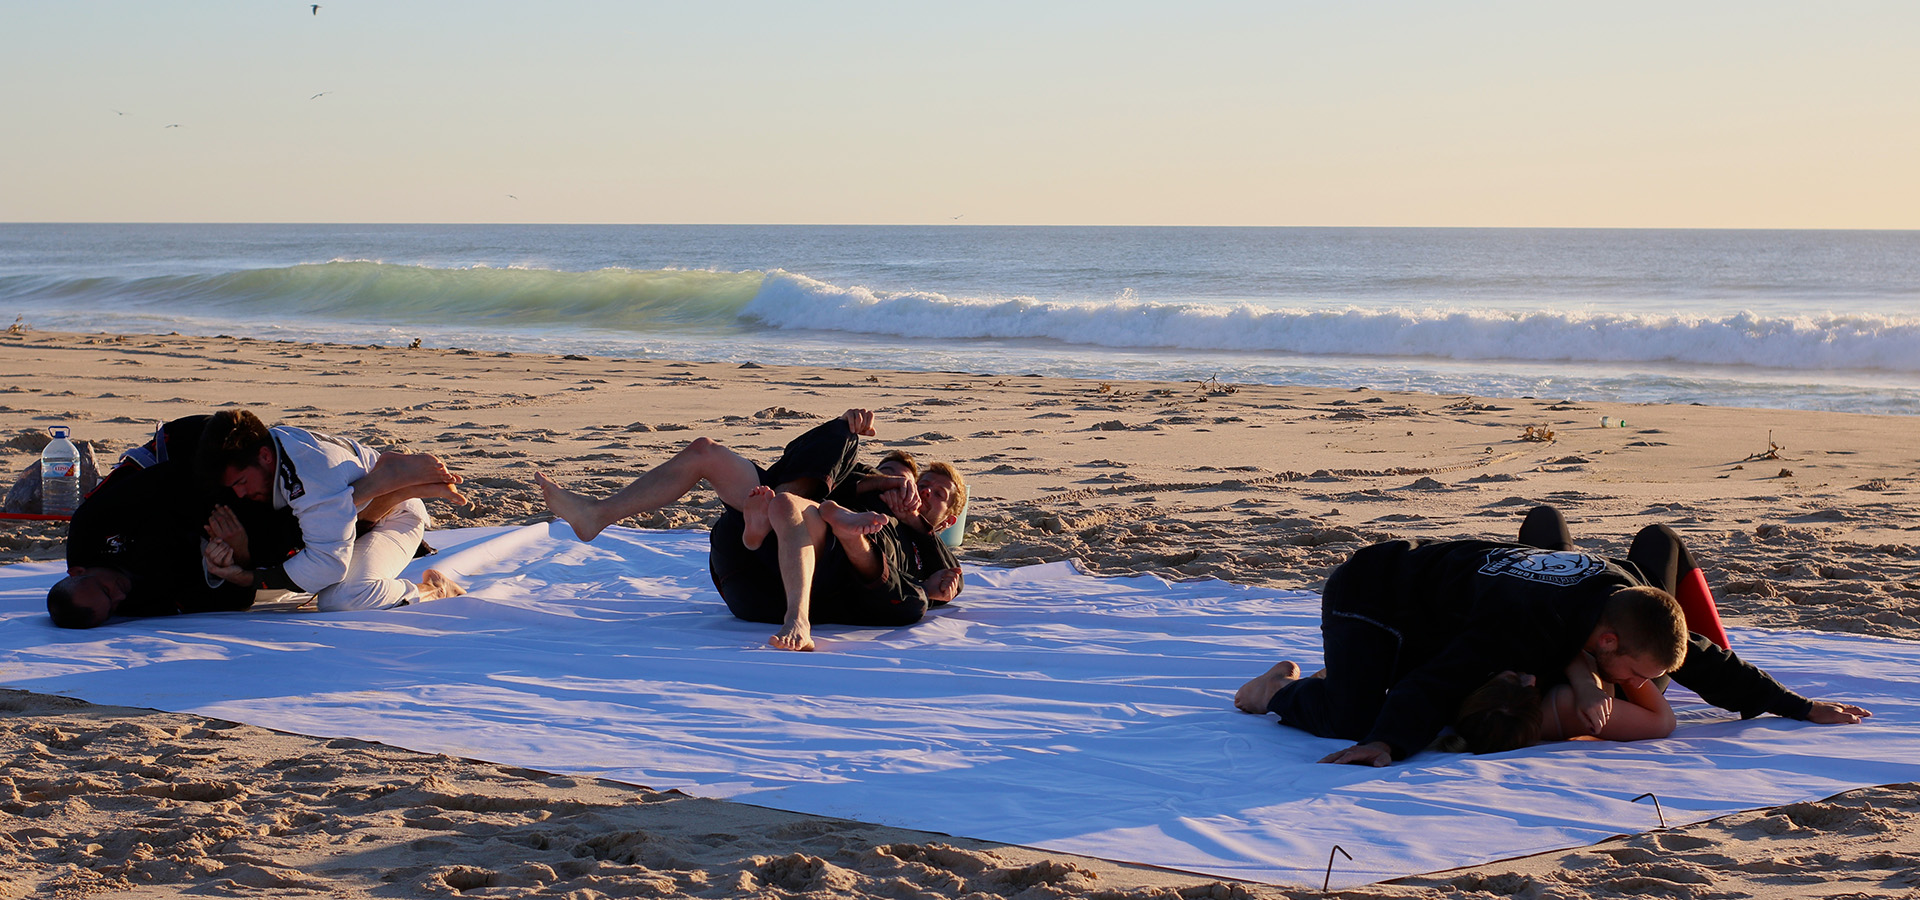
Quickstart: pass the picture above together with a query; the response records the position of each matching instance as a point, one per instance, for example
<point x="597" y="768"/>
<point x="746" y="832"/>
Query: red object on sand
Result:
<point x="1696" y="601"/>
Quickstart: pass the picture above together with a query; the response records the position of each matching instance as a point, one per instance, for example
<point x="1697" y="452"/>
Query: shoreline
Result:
<point x="1268" y="485"/>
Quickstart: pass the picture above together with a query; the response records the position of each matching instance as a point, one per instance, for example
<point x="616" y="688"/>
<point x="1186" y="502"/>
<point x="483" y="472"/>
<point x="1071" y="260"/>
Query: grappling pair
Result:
<point x="816" y="538"/>
<point x="216" y="508"/>
<point x="1421" y="634"/>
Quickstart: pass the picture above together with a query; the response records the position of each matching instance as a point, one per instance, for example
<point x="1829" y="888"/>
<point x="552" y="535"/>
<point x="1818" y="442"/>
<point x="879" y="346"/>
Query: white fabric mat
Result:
<point x="1046" y="708"/>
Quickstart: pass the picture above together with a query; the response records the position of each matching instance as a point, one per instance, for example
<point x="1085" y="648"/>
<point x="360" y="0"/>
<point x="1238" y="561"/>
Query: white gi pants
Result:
<point x="373" y="576"/>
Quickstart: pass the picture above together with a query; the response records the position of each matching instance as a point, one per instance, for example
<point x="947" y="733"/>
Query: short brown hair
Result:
<point x="958" y="501"/>
<point x="904" y="458"/>
<point x="231" y="438"/>
<point x="1648" y="622"/>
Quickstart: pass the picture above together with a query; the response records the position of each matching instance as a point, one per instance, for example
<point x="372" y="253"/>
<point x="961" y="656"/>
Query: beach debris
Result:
<point x="1873" y="484"/>
<point x="873" y="379"/>
<point x="415" y="345"/>
<point x="1105" y="388"/>
<point x="19" y="325"/>
<point x="1109" y="425"/>
<point x="1772" y="451"/>
<point x="781" y="412"/>
<point x="1212" y="387"/>
<point x="1540" y="434"/>
<point x="1785" y="473"/>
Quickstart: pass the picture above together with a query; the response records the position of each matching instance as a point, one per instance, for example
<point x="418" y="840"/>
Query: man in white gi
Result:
<point x="360" y="526"/>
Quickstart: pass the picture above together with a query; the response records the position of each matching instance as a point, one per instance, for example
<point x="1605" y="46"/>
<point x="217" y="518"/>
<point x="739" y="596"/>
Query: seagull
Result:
<point x="319" y="95"/>
<point x="962" y="215"/>
<point x="172" y="126"/>
<point x="512" y="197"/>
<point x="316" y="9"/>
<point x="118" y="113"/>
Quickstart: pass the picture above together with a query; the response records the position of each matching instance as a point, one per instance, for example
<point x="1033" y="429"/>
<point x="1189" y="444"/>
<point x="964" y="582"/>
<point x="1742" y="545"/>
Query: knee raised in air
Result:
<point x="702" y="447"/>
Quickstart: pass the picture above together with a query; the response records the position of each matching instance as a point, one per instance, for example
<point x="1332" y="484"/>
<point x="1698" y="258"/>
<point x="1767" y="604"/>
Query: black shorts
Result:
<point x="749" y="581"/>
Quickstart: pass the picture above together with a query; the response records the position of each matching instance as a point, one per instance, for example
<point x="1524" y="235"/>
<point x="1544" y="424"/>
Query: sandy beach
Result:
<point x="1802" y="520"/>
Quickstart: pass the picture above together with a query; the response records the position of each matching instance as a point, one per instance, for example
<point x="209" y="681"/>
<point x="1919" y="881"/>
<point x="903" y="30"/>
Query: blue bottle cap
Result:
<point x="59" y="432"/>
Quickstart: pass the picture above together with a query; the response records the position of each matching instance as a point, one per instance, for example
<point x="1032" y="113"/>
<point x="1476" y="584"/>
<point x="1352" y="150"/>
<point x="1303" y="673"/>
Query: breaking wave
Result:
<point x="1819" y="342"/>
<point x="681" y="301"/>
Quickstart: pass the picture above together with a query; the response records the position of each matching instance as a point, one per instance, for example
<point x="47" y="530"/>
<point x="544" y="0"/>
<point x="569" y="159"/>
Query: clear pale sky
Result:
<point x="1634" y="114"/>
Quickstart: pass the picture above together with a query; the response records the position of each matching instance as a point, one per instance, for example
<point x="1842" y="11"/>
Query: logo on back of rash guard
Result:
<point x="1543" y="566"/>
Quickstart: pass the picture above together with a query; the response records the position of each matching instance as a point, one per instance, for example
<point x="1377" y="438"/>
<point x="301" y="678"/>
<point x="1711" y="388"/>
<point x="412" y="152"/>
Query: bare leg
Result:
<point x="852" y="529"/>
<point x="377" y="508"/>
<point x="801" y="532"/>
<point x="1254" y="696"/>
<point x="435" y="585"/>
<point x="755" y="511"/>
<point x="730" y="474"/>
<point x="394" y="471"/>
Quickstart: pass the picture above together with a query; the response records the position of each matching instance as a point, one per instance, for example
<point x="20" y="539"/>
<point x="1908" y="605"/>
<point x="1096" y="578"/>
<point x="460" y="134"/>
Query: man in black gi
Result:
<point x="939" y="493"/>
<point x="1411" y="627"/>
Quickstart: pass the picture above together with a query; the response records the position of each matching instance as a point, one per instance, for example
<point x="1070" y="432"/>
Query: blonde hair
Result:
<point x="958" y="501"/>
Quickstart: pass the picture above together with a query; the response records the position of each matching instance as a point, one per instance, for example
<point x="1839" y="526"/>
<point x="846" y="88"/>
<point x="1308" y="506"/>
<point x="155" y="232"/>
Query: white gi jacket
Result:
<point x="314" y="478"/>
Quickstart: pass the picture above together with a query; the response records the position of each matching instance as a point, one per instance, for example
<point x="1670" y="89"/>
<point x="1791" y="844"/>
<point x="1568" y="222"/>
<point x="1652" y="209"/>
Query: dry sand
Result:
<point x="1804" y="520"/>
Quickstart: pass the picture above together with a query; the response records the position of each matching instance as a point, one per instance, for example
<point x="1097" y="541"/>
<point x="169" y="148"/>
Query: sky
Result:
<point x="1627" y="114"/>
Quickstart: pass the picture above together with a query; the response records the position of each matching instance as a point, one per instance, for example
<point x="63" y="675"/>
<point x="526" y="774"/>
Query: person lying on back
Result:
<point x="782" y="552"/>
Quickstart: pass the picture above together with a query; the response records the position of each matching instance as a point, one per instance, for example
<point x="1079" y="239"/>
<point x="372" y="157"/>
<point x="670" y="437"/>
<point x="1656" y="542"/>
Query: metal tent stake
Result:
<point x="1656" y="807"/>
<point x="1329" y="879"/>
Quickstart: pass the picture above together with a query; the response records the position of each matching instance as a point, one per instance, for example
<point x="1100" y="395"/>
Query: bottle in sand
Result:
<point x="59" y="474"/>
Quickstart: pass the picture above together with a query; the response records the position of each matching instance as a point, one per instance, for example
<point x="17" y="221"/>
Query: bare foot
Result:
<point x="446" y="492"/>
<point x="422" y="468"/>
<point x="435" y="585"/>
<point x="433" y="491"/>
<point x="578" y="510"/>
<point x="755" y="511"/>
<point x="794" y="636"/>
<point x="847" y="523"/>
<point x="1254" y="696"/>
<point x="394" y="471"/>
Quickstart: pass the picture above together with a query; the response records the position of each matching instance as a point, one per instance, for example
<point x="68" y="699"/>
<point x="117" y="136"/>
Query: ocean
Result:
<point x="1774" y="319"/>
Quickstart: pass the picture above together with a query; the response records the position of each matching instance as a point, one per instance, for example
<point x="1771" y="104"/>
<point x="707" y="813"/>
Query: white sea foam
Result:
<point x="1862" y="342"/>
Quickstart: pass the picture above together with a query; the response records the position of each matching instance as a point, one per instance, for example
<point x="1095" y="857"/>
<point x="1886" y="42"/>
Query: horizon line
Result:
<point x="970" y="225"/>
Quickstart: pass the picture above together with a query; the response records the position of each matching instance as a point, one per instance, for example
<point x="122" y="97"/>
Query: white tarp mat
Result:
<point x="1047" y="708"/>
